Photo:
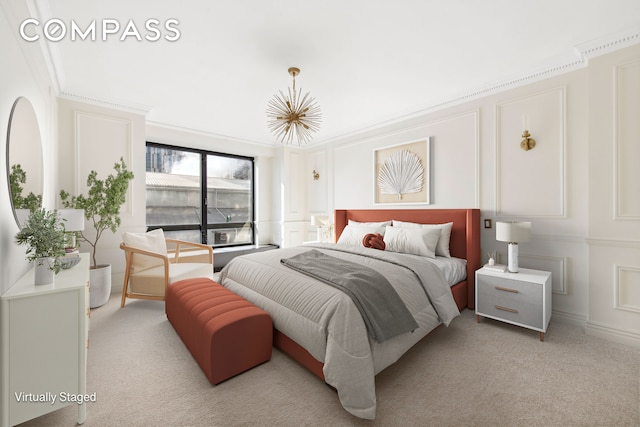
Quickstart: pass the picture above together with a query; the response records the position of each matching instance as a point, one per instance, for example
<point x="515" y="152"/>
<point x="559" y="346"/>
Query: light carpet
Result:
<point x="471" y="374"/>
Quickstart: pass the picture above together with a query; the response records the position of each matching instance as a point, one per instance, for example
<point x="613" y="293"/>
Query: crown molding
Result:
<point x="128" y="107"/>
<point x="620" y="40"/>
<point x="578" y="59"/>
<point x="35" y="53"/>
<point x="582" y="53"/>
<point x="51" y="54"/>
<point x="210" y="135"/>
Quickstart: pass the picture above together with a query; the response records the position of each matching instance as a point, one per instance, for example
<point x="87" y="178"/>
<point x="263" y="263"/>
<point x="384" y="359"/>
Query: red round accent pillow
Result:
<point x="375" y="241"/>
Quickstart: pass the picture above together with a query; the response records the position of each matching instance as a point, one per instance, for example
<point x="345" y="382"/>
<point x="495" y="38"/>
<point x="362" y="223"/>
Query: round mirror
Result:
<point x="24" y="160"/>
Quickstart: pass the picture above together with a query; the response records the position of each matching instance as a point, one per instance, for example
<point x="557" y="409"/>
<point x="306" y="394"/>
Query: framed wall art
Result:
<point x="402" y="173"/>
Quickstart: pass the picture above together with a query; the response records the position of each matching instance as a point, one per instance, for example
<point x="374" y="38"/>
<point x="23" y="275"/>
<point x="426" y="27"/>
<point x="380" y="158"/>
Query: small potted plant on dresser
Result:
<point x="101" y="207"/>
<point x="44" y="234"/>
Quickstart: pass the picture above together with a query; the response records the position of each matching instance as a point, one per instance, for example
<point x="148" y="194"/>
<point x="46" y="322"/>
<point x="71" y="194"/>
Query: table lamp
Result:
<point x="319" y="221"/>
<point x="513" y="232"/>
<point x="73" y="220"/>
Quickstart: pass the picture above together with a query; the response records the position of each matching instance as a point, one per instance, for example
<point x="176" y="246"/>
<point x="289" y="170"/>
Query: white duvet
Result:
<point x="327" y="323"/>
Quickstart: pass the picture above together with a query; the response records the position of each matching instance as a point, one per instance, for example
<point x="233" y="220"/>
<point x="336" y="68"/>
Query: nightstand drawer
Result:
<point x="510" y="300"/>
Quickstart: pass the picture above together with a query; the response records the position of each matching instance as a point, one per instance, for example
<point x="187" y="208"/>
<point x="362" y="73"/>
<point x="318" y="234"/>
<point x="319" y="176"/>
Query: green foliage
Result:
<point x="102" y="203"/>
<point x="18" y="177"/>
<point x="44" y="234"/>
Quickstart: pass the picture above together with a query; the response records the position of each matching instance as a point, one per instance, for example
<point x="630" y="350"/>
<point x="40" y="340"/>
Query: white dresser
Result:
<point x="44" y="345"/>
<point x="522" y="298"/>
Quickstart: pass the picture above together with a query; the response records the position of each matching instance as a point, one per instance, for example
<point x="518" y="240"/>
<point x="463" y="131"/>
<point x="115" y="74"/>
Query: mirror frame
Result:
<point x="16" y="122"/>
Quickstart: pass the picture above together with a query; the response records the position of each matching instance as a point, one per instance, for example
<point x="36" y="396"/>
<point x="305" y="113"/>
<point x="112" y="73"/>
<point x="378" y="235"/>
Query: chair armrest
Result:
<point x="133" y="250"/>
<point x="129" y="251"/>
<point x="190" y="247"/>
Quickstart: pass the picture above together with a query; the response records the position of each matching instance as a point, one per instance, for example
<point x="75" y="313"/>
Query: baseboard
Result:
<point x="607" y="332"/>
<point x="569" y="318"/>
<point x="596" y="329"/>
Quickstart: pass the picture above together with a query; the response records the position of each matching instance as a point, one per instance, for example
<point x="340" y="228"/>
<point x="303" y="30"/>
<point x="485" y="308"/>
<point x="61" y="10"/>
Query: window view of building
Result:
<point x="178" y="192"/>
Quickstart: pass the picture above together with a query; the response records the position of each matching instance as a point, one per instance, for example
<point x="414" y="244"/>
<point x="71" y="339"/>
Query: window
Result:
<point x="184" y="183"/>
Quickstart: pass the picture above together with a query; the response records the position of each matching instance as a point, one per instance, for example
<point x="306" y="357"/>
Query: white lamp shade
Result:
<point x="73" y="219"/>
<point x="513" y="232"/>
<point x="319" y="220"/>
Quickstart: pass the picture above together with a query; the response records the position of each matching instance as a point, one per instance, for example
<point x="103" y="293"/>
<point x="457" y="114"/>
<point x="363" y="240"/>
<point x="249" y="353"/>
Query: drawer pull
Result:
<point x="500" y="288"/>
<point x="510" y="310"/>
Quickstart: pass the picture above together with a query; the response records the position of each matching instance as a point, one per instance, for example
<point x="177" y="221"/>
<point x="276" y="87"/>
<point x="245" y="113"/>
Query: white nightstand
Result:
<point x="522" y="299"/>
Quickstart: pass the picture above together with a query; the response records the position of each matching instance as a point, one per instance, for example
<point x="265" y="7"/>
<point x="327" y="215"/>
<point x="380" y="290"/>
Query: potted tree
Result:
<point x="101" y="207"/>
<point x="44" y="234"/>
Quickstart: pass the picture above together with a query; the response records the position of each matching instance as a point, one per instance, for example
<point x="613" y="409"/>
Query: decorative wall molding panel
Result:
<point x="317" y="189"/>
<point x="98" y="140"/>
<point x="627" y="149"/>
<point x="462" y="133"/>
<point x="293" y="188"/>
<point x="294" y="233"/>
<point x="556" y="265"/>
<point x="574" y="240"/>
<point x="531" y="183"/>
<point x="627" y="288"/>
<point x="454" y="140"/>
<point x="613" y="243"/>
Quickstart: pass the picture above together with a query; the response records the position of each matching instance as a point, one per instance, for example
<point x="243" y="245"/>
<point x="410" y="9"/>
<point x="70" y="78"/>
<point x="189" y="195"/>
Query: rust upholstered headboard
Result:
<point x="465" y="235"/>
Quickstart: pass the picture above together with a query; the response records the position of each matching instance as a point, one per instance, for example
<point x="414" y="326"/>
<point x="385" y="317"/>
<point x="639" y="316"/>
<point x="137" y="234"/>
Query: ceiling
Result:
<point x="366" y="62"/>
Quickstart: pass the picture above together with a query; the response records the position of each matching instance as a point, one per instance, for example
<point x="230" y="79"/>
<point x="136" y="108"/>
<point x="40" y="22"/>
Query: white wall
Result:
<point x="79" y="137"/>
<point x="581" y="120"/>
<point x="614" y="195"/>
<point x="579" y="186"/>
<point x="477" y="162"/>
<point x="95" y="138"/>
<point x="20" y="76"/>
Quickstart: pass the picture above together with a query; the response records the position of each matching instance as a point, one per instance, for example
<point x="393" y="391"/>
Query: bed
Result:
<point x="321" y="327"/>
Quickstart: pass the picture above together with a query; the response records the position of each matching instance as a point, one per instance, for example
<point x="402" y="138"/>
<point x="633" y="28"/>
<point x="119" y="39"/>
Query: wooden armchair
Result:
<point x="154" y="263"/>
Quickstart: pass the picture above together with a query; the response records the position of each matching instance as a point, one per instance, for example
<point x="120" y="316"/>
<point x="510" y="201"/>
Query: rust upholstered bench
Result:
<point x="225" y="333"/>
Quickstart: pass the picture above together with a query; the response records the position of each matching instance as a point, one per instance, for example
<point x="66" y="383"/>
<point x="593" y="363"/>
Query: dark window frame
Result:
<point x="204" y="226"/>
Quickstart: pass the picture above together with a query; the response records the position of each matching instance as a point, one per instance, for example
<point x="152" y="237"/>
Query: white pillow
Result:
<point x="372" y="224"/>
<point x="353" y="234"/>
<point x="417" y="241"/>
<point x="152" y="241"/>
<point x="442" y="249"/>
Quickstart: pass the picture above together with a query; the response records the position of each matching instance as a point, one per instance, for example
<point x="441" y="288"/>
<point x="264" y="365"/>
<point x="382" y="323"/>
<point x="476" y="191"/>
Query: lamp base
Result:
<point x="513" y="258"/>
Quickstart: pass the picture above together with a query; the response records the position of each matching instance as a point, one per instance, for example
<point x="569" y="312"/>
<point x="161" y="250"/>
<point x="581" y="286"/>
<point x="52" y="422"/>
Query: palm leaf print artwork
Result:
<point x="402" y="173"/>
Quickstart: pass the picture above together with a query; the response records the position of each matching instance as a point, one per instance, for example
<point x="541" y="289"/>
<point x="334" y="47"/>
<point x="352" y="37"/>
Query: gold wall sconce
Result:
<point x="527" y="143"/>
<point x="316" y="175"/>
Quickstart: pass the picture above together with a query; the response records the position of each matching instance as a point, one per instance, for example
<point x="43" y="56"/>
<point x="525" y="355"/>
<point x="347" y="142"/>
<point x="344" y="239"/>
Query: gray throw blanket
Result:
<point x="383" y="312"/>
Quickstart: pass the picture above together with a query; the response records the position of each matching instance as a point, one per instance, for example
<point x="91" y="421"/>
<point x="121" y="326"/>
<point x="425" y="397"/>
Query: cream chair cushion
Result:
<point x="152" y="241"/>
<point x="151" y="281"/>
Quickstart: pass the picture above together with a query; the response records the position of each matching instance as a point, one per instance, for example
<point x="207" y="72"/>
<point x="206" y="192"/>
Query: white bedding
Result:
<point x="326" y="322"/>
<point x="454" y="269"/>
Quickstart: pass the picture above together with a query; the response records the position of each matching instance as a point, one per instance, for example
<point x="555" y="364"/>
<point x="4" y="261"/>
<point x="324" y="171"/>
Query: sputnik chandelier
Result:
<point x="293" y="117"/>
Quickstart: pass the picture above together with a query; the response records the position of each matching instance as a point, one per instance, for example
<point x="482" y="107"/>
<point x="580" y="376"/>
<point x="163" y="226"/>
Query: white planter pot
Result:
<point x="43" y="273"/>
<point x="100" y="280"/>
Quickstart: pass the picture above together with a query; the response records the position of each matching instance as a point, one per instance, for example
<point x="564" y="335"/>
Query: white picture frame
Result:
<point x="394" y="162"/>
